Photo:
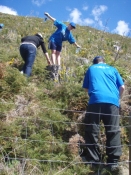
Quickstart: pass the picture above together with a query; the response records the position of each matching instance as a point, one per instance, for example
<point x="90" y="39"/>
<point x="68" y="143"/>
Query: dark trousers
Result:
<point x="28" y="53"/>
<point x="109" y="114"/>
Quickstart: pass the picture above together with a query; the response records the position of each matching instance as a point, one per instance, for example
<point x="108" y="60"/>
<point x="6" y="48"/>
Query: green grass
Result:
<point x="37" y="116"/>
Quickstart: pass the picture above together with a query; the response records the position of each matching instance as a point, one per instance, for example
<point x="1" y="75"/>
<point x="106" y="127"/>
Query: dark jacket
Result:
<point x="36" y="40"/>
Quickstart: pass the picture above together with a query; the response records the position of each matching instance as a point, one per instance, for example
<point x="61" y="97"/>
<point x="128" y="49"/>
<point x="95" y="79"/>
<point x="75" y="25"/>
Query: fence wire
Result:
<point x="23" y="143"/>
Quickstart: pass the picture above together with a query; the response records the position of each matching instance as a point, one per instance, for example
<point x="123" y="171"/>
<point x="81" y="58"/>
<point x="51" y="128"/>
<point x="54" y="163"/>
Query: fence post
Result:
<point x="130" y="143"/>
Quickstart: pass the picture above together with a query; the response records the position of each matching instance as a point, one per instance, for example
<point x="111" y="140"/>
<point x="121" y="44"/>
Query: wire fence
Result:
<point x="23" y="144"/>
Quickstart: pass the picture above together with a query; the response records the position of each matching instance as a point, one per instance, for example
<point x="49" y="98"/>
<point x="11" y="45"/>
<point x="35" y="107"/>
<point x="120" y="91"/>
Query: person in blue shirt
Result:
<point x="63" y="33"/>
<point x="105" y="87"/>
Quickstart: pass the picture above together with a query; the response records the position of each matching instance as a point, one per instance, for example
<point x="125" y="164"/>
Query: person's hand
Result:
<point x="47" y="14"/>
<point x="78" y="46"/>
<point x="49" y="62"/>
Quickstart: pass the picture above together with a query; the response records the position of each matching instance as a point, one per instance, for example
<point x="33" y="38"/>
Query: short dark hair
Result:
<point x="98" y="59"/>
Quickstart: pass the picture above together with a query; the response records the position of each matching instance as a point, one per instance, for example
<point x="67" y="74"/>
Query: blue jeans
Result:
<point x="28" y="53"/>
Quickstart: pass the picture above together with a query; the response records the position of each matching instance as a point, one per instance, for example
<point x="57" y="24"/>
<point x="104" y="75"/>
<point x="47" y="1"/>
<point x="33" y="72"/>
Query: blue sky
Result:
<point x="107" y="15"/>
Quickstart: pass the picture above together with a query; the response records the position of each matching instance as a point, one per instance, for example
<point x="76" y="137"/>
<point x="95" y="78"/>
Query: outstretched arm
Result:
<point x="50" y="17"/>
<point x="76" y="45"/>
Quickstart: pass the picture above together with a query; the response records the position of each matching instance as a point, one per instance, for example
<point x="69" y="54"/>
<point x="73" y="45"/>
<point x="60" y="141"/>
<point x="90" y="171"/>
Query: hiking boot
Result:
<point x="51" y="71"/>
<point x="57" y="73"/>
<point x="112" y="170"/>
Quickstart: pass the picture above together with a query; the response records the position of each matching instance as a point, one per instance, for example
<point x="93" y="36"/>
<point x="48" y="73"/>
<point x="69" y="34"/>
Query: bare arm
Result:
<point x="121" y="90"/>
<point x="47" y="58"/>
<point x="50" y="17"/>
<point x="76" y="45"/>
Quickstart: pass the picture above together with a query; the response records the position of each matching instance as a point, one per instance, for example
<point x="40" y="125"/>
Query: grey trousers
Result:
<point x="109" y="114"/>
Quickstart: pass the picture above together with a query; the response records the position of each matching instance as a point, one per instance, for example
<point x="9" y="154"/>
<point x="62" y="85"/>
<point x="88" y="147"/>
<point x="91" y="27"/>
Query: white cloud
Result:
<point x="97" y="12"/>
<point x="75" y="16"/>
<point x="68" y="8"/>
<point x="38" y="2"/>
<point x="122" y="28"/>
<point x="8" y="10"/>
<point x="85" y="8"/>
<point x="88" y="21"/>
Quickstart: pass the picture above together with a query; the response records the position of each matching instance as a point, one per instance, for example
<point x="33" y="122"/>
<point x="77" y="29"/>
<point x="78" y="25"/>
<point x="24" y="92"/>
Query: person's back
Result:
<point x="105" y="88"/>
<point x="104" y="84"/>
<point x="34" y="39"/>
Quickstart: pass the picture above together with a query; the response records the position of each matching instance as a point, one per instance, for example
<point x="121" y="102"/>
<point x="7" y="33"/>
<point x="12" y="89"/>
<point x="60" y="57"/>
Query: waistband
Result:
<point x="28" y="43"/>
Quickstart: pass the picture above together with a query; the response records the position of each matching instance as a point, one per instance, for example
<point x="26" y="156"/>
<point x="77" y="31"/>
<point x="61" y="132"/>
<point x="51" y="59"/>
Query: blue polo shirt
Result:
<point x="61" y="34"/>
<point x="103" y="82"/>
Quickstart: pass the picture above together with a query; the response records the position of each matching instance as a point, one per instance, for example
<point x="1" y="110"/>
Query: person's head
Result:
<point x="98" y="59"/>
<point x="71" y="26"/>
<point x="39" y="35"/>
<point x="1" y="25"/>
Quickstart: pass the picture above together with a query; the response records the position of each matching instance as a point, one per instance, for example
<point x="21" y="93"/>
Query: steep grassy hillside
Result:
<point x="41" y="120"/>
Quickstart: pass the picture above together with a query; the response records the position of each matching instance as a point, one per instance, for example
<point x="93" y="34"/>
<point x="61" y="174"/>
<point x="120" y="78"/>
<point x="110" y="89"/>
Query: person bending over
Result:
<point x="28" y="49"/>
<point x="63" y="33"/>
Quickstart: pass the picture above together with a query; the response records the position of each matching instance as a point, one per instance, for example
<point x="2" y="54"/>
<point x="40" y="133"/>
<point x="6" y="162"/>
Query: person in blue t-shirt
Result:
<point x="63" y="33"/>
<point x="105" y="87"/>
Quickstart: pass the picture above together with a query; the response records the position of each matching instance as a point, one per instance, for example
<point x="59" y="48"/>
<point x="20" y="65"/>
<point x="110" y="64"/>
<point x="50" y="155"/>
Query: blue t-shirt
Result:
<point x="103" y="82"/>
<point x="61" y="34"/>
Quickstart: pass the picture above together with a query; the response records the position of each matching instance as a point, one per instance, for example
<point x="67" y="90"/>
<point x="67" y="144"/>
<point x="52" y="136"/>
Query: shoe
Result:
<point x="58" y="67"/>
<point x="51" y="69"/>
<point x="112" y="170"/>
